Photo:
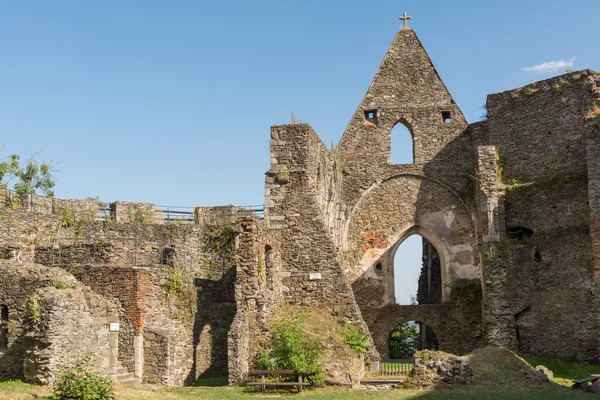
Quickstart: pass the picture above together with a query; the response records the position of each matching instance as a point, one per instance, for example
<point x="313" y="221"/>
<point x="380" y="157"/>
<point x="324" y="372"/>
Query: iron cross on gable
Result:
<point x="404" y="18"/>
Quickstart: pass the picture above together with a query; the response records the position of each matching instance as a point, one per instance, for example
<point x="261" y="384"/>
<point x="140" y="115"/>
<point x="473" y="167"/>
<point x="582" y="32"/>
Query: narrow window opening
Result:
<point x="3" y="327"/>
<point x="371" y="116"/>
<point x="446" y="117"/>
<point x="519" y="232"/>
<point x="537" y="257"/>
<point x="402" y="146"/>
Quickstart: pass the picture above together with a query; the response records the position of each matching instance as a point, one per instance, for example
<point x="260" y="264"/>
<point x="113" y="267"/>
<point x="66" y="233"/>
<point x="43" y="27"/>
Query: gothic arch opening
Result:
<point x="402" y="144"/>
<point x="417" y="272"/>
<point x="410" y="337"/>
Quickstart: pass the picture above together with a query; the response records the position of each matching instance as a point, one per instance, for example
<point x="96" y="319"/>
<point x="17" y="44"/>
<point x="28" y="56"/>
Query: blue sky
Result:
<point x="171" y="102"/>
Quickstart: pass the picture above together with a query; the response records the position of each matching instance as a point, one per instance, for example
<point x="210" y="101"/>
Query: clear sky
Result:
<point x="171" y="102"/>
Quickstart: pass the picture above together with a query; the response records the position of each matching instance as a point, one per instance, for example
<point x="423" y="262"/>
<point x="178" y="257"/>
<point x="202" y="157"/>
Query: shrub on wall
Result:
<point x="356" y="339"/>
<point x="32" y="310"/>
<point x="467" y="291"/>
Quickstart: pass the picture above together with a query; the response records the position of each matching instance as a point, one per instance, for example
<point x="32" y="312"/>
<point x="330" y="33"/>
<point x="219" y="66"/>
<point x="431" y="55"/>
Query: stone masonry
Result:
<point x="509" y="202"/>
<point x="508" y="209"/>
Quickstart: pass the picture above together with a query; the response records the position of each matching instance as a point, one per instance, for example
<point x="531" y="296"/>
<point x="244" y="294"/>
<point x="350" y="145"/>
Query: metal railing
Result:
<point x="182" y="214"/>
<point x="102" y="211"/>
<point x="394" y="367"/>
<point x="176" y="214"/>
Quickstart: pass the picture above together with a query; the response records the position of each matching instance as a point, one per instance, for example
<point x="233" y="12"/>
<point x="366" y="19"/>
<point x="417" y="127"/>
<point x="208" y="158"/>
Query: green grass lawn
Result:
<point x="564" y="372"/>
<point x="499" y="374"/>
<point x="21" y="391"/>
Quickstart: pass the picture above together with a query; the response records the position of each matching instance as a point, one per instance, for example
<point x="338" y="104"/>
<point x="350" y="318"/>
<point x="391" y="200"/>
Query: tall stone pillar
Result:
<point x="138" y="356"/>
<point x="113" y="348"/>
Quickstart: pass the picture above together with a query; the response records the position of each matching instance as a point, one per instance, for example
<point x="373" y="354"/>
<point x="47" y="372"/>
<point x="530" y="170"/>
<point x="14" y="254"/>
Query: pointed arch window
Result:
<point x="402" y="144"/>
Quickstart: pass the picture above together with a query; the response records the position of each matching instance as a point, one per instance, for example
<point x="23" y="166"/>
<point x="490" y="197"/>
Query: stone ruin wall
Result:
<point x="258" y="295"/>
<point x="311" y="271"/>
<point x="351" y="205"/>
<point x="164" y="342"/>
<point x="72" y="323"/>
<point x="370" y="205"/>
<point x="332" y="216"/>
<point x="541" y="288"/>
<point x="386" y="202"/>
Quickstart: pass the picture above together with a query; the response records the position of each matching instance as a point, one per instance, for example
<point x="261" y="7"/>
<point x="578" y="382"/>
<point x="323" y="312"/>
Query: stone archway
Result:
<point x="457" y="328"/>
<point x="444" y="257"/>
<point x="409" y="337"/>
<point x="388" y="213"/>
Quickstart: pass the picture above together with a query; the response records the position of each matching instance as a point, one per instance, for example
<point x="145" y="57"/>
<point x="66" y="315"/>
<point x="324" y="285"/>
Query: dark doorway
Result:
<point x="3" y="327"/>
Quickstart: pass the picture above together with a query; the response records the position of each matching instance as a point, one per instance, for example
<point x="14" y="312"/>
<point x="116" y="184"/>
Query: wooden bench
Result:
<point x="583" y="383"/>
<point x="263" y="383"/>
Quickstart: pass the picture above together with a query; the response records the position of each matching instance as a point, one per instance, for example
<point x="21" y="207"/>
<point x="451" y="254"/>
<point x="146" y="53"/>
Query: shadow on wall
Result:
<point x="12" y="358"/>
<point x="214" y="316"/>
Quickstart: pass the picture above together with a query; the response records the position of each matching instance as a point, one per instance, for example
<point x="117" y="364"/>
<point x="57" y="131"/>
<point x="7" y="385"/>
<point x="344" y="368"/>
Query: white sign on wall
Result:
<point x="313" y="276"/>
<point x="114" y="327"/>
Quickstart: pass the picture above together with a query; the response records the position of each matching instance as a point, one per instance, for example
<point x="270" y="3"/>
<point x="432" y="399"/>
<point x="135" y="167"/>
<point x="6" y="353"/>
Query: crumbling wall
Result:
<point x="131" y="287"/>
<point x="540" y="280"/>
<point x="258" y="294"/>
<point x="383" y="203"/>
<point x="151" y="268"/>
<point x="48" y="205"/>
<point x="54" y="322"/>
<point x="311" y="269"/>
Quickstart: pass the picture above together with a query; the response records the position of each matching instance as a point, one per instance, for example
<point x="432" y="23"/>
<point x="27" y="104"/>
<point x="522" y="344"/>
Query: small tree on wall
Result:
<point x="32" y="176"/>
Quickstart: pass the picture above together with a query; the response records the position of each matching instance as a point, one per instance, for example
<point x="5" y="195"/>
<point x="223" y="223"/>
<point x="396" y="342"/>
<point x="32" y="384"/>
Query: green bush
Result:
<point x="33" y="310"/>
<point x="356" y="339"/>
<point x="291" y="349"/>
<point x="79" y="384"/>
<point x="467" y="291"/>
<point x="68" y="217"/>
